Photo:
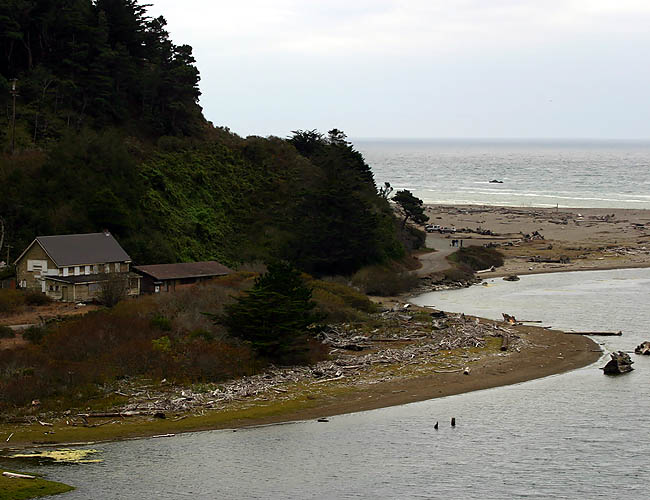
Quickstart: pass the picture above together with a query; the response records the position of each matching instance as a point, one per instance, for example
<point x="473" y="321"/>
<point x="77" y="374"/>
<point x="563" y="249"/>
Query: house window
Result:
<point x="117" y="267"/>
<point x="107" y="268"/>
<point x="65" y="271"/>
<point x="71" y="270"/>
<point x="51" y="288"/>
<point x="36" y="265"/>
<point x="87" y="270"/>
<point x="77" y="270"/>
<point x="95" y="268"/>
<point x="56" y="288"/>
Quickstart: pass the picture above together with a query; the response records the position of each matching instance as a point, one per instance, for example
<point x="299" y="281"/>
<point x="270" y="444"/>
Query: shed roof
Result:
<point x="81" y="249"/>
<point x="184" y="270"/>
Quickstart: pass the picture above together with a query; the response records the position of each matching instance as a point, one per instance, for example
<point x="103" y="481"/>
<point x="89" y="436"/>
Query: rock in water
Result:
<point x="620" y="363"/>
<point x="512" y="277"/>
<point x="643" y="348"/>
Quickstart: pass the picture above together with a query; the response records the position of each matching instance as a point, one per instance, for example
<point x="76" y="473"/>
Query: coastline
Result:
<point x="593" y="239"/>
<point x="542" y="353"/>
<point x="559" y="240"/>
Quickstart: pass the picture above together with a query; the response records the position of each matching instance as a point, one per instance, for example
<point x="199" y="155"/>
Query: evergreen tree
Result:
<point x="274" y="315"/>
<point x="411" y="207"/>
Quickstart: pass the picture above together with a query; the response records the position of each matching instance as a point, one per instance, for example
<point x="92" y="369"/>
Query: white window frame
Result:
<point x="37" y="265"/>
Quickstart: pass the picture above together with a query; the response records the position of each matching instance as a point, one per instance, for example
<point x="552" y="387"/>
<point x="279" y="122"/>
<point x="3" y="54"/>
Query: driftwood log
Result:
<point x="13" y="475"/>
<point x="602" y="334"/>
<point x="620" y="363"/>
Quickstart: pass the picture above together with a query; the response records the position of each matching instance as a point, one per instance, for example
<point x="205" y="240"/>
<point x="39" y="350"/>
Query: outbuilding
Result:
<point x="157" y="278"/>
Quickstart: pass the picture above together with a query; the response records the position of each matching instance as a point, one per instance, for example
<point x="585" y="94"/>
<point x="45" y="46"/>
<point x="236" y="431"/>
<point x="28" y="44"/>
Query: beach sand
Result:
<point x="591" y="238"/>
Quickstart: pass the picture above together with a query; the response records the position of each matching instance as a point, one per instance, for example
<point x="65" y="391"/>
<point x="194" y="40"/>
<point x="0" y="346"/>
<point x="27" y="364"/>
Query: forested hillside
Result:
<point x="109" y="134"/>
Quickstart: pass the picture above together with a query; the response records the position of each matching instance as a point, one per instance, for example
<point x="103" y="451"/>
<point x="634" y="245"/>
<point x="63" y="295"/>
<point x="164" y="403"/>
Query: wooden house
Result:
<point x="72" y="267"/>
<point x="159" y="278"/>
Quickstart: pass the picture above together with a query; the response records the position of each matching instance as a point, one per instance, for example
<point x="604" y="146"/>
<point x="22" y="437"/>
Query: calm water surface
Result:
<point x="534" y="172"/>
<point x="577" y="435"/>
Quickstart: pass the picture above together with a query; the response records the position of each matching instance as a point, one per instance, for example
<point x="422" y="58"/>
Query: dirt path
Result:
<point x="435" y="262"/>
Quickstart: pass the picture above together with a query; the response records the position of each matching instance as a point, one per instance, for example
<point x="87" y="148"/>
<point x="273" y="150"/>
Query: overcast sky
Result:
<point x="421" y="68"/>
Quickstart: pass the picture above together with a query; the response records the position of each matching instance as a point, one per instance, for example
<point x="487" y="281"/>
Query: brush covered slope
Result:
<point x="108" y="134"/>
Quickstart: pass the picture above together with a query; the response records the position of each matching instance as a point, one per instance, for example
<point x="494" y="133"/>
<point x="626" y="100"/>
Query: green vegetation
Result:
<point x="6" y="332"/>
<point x="477" y="258"/>
<point x="23" y="489"/>
<point x="384" y="281"/>
<point x="107" y="119"/>
<point x="411" y="207"/>
<point x="469" y="259"/>
<point x="15" y="301"/>
<point x="73" y="363"/>
<point x="275" y="316"/>
<point x="83" y="63"/>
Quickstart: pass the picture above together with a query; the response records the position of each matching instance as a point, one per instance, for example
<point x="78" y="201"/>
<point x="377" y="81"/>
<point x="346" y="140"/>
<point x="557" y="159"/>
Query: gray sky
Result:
<point x="421" y="68"/>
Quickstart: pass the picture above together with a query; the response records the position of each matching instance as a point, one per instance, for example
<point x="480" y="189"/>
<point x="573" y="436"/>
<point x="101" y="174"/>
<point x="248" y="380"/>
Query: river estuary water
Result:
<point x="575" y="435"/>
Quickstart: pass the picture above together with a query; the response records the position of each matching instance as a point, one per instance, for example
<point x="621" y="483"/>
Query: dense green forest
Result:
<point x="108" y="133"/>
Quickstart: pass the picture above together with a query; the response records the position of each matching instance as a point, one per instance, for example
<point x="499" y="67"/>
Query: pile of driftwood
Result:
<point x="405" y="339"/>
<point x="620" y="251"/>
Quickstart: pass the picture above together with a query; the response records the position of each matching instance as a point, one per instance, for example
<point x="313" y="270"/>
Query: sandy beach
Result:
<point x="569" y="239"/>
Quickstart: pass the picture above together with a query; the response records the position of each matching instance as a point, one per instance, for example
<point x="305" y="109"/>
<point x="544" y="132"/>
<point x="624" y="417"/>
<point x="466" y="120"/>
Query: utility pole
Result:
<point x="14" y="93"/>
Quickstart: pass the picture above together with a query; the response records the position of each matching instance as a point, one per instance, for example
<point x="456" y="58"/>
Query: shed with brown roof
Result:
<point x="158" y="278"/>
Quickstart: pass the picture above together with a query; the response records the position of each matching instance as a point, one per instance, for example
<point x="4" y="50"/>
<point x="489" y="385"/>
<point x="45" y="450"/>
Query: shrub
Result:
<point x="349" y="296"/>
<point x="477" y="258"/>
<point x="340" y="303"/>
<point x="458" y="273"/>
<point x="6" y="332"/>
<point x="384" y="282"/>
<point x="202" y="334"/>
<point x="34" y="298"/>
<point x="34" y="334"/>
<point x="11" y="301"/>
<point x="334" y="309"/>
<point x="161" y="323"/>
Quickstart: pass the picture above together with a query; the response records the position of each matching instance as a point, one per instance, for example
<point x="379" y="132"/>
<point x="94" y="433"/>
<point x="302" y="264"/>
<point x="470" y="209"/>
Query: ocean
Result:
<point x="535" y="173"/>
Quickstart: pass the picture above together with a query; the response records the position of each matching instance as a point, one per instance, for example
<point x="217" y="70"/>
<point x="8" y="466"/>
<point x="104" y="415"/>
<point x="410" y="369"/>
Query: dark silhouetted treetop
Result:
<point x="410" y="206"/>
<point x="83" y="63"/>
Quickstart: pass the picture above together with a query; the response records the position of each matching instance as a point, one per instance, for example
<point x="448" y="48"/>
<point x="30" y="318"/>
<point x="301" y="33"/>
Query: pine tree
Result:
<point x="274" y="316"/>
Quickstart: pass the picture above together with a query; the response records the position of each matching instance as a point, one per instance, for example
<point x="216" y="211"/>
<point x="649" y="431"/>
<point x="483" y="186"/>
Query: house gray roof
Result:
<point x="184" y="270"/>
<point x="83" y="249"/>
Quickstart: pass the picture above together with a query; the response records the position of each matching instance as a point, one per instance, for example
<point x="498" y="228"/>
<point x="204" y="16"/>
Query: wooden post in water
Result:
<point x="453" y="421"/>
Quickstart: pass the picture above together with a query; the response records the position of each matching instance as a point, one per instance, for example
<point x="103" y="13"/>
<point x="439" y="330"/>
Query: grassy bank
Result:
<point x="22" y="489"/>
<point x="293" y="401"/>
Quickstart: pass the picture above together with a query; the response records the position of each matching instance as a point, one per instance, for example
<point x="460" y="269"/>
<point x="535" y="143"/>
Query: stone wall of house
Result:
<point x="31" y="278"/>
